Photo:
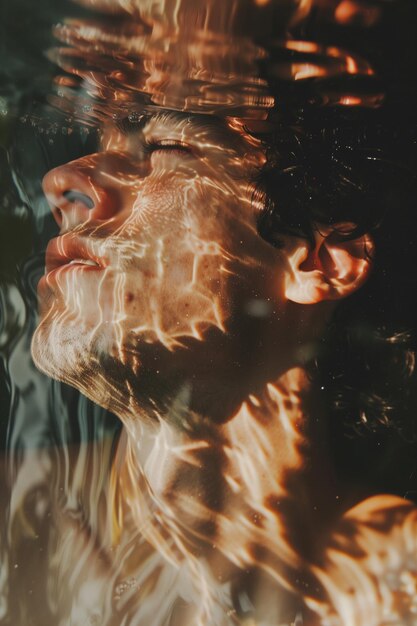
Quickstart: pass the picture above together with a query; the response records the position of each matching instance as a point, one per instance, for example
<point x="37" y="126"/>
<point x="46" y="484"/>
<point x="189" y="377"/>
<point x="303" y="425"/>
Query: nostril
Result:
<point x="76" y="196"/>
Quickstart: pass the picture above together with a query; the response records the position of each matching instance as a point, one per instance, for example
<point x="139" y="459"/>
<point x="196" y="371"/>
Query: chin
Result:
<point x="58" y="350"/>
<point x="90" y="360"/>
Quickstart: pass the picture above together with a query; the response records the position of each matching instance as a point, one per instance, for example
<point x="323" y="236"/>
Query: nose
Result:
<point x="82" y="190"/>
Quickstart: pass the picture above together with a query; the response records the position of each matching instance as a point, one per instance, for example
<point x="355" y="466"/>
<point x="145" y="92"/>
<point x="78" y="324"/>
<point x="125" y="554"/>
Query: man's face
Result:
<point x="158" y="250"/>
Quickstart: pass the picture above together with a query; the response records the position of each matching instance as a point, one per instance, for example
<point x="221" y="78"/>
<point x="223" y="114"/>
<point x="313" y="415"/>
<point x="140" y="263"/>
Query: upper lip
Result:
<point x="62" y="250"/>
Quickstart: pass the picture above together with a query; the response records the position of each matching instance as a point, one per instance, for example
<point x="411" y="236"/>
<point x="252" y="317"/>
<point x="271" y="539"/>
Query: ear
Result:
<point x="333" y="269"/>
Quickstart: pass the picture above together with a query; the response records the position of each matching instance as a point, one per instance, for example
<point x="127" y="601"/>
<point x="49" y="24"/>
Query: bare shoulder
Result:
<point x="368" y="571"/>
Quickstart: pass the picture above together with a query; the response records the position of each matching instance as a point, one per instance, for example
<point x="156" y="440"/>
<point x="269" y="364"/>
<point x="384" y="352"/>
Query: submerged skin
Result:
<point x="161" y="302"/>
<point x="181" y="268"/>
<point x="185" y="331"/>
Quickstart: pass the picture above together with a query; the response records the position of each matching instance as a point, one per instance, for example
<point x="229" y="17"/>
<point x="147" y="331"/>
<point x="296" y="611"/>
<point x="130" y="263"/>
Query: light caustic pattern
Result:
<point x="150" y="258"/>
<point x="208" y="520"/>
<point x="234" y="16"/>
<point x="369" y="571"/>
<point x="173" y="553"/>
<point x="153" y="230"/>
<point x="169" y="541"/>
<point x="150" y="254"/>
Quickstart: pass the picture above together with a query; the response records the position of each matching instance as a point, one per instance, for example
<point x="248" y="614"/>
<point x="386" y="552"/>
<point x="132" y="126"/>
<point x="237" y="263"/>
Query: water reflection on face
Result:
<point x="150" y="290"/>
<point x="159" y="291"/>
<point x="157" y="247"/>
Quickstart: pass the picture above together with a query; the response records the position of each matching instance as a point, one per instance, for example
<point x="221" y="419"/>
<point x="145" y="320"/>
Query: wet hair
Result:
<point x="347" y="169"/>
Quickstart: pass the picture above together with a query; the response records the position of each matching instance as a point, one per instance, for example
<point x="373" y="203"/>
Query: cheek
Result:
<point x="180" y="296"/>
<point x="192" y="238"/>
<point x="166" y="201"/>
<point x="158" y="207"/>
<point x="172" y="265"/>
<point x="189" y="205"/>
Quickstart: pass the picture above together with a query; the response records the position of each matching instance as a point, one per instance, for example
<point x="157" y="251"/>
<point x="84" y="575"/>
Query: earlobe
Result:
<point x="333" y="269"/>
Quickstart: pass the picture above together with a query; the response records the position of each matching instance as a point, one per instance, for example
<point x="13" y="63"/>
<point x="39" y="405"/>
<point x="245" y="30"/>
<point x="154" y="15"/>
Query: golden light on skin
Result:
<point x="331" y="269"/>
<point x="157" y="256"/>
<point x="151" y="282"/>
<point x="158" y="250"/>
<point x="161" y="219"/>
<point x="369" y="571"/>
<point x="250" y="458"/>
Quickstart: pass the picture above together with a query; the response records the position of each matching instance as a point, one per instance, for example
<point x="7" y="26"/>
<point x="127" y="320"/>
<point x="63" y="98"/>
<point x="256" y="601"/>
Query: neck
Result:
<point x="225" y="493"/>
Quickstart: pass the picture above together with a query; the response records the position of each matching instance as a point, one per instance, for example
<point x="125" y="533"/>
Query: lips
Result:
<point x="71" y="253"/>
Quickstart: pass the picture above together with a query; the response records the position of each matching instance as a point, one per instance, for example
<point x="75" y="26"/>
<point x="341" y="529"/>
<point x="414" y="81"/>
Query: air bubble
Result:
<point x="134" y="117"/>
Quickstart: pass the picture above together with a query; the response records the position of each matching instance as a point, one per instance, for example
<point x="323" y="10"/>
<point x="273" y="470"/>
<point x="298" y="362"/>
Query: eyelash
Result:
<point x="129" y="127"/>
<point x="166" y="145"/>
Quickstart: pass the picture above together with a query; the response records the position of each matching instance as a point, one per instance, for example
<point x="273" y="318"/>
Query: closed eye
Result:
<point x="168" y="145"/>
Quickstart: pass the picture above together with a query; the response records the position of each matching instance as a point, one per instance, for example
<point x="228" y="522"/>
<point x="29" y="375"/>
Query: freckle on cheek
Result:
<point x="129" y="297"/>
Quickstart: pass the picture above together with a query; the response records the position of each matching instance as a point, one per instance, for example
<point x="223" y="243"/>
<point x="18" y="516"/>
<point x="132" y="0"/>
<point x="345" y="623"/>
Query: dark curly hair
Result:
<point x="349" y="167"/>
